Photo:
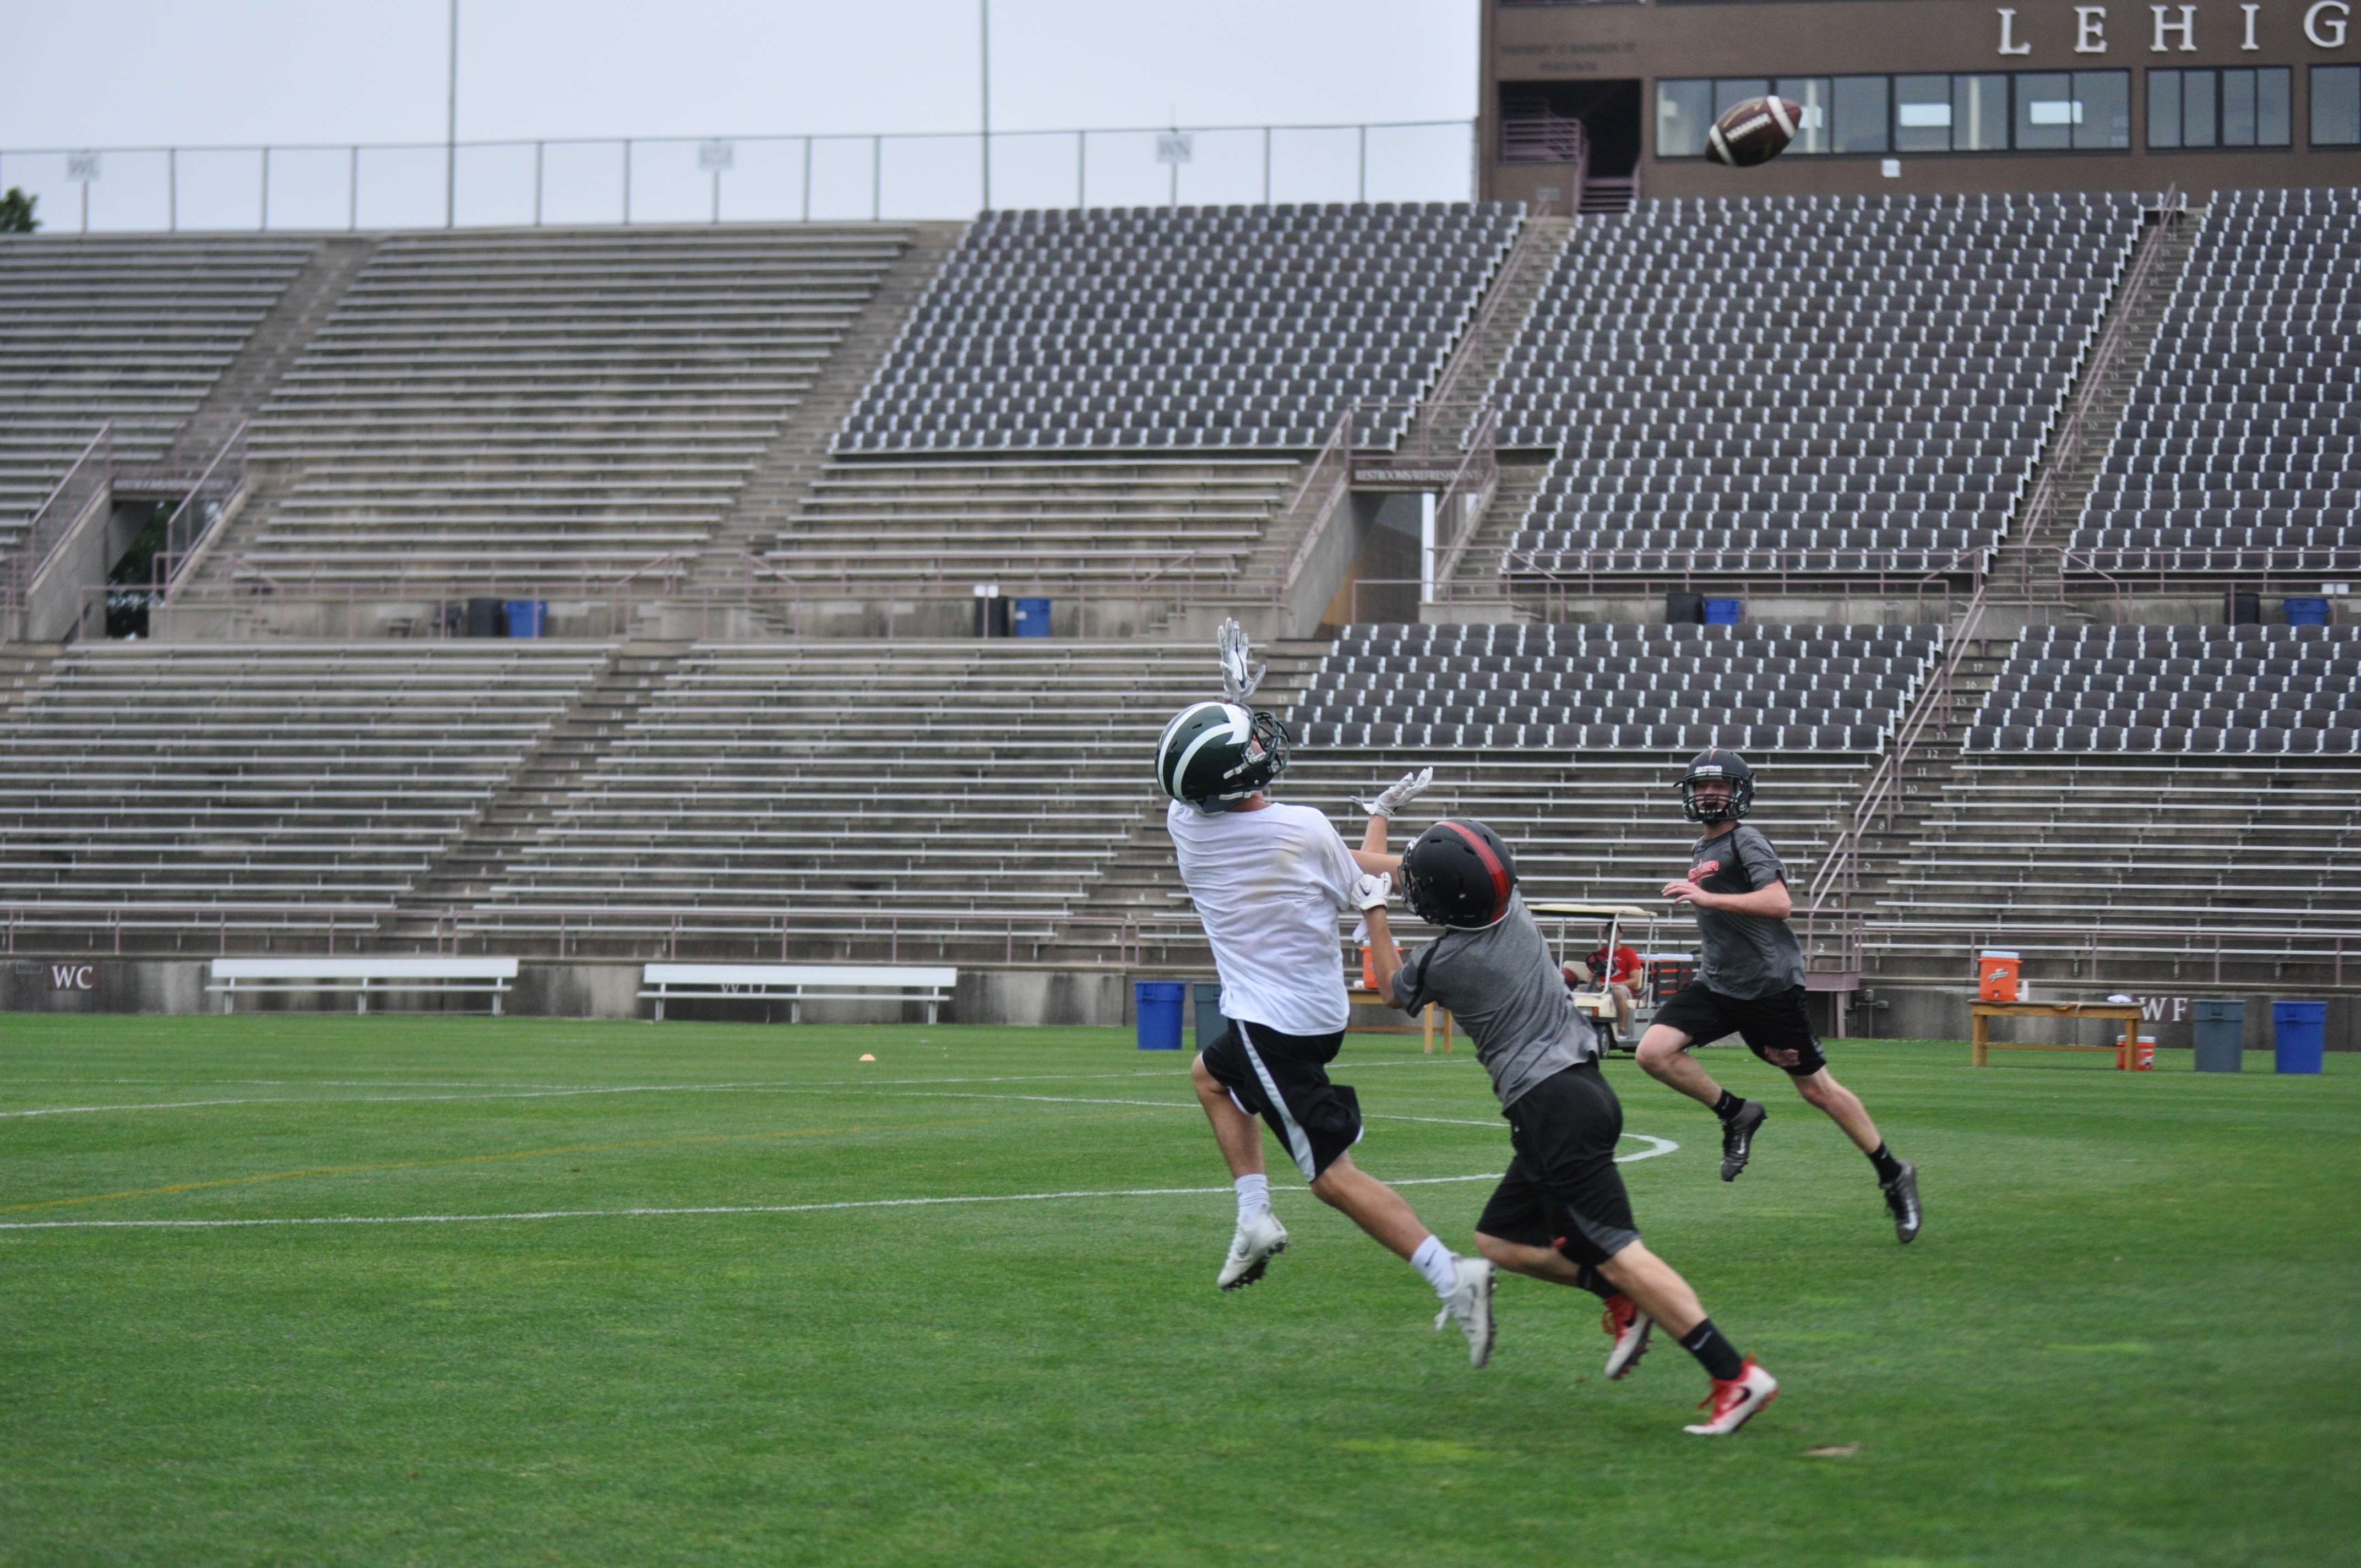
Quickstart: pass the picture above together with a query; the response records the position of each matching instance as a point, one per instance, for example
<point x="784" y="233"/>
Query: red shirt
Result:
<point x="1627" y="964"/>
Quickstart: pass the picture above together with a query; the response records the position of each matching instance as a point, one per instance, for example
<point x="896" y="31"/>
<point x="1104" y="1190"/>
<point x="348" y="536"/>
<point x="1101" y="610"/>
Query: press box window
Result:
<point x="1986" y="112"/>
<point x="1687" y="109"/>
<point x="2336" y="106"/>
<point x="2219" y="108"/>
<point x="2084" y="109"/>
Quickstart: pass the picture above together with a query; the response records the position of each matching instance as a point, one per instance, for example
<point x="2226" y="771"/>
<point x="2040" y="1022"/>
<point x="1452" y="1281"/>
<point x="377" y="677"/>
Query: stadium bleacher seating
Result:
<point x="502" y="410"/>
<point x="134" y="329"/>
<point x="2237" y="690"/>
<point x="1142" y="523"/>
<point x="1834" y="385"/>
<point x="2241" y="449"/>
<point x="1609" y="688"/>
<point x="978" y="788"/>
<point x="278" y="773"/>
<point x="1151" y="328"/>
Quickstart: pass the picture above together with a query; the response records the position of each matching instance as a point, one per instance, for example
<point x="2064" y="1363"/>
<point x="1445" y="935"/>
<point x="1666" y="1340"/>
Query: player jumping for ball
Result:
<point x="1561" y="1213"/>
<point x="1269" y="882"/>
<point x="1750" y="983"/>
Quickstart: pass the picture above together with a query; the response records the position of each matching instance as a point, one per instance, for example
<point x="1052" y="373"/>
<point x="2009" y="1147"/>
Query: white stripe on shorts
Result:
<point x="1297" y="1143"/>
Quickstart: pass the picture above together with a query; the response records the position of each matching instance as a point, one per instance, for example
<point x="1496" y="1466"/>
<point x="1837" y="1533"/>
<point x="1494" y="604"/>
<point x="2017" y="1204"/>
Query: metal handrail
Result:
<point x="192" y="522"/>
<point x="2074" y="432"/>
<point x="1127" y="933"/>
<point x="1838" y="874"/>
<point x="46" y="529"/>
<point x="1472" y="344"/>
<point x="1476" y="480"/>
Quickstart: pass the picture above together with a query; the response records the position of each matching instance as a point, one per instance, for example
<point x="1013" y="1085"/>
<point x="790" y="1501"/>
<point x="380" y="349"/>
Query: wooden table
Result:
<point x="1980" y="1041"/>
<point x="1357" y="996"/>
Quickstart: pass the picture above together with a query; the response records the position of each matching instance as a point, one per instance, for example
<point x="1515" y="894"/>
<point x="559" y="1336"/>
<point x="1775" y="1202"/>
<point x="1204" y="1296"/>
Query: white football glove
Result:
<point x="1236" y="684"/>
<point x="1396" y="794"/>
<point x="1371" y="889"/>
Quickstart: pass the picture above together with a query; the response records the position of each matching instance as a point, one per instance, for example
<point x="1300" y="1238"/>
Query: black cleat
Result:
<point x="1738" y="1137"/>
<point x="1902" y="1197"/>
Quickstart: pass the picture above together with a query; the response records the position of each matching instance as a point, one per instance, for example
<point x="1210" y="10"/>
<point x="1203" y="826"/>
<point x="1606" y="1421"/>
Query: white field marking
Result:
<point x="1663" y="1145"/>
<point x="658" y="1213"/>
<point x="769" y="1085"/>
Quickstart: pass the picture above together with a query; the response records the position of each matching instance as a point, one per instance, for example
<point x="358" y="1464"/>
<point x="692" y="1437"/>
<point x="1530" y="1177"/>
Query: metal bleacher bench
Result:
<point x="798" y="983"/>
<point x="232" y="976"/>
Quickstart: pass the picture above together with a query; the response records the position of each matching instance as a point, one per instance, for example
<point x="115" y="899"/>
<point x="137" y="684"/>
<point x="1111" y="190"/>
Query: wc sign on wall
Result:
<point x="73" y="977"/>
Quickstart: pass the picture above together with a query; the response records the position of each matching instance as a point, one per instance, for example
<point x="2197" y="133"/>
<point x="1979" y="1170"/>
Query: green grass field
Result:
<point x="2130" y="1335"/>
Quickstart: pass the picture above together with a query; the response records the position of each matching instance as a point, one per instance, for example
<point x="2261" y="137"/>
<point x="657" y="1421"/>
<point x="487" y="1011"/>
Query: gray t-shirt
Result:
<point x="1744" y="956"/>
<point x="1503" y="986"/>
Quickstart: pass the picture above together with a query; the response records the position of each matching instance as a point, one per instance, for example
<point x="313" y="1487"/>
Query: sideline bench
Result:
<point x="232" y="976"/>
<point x="797" y="983"/>
<point x="1980" y="1042"/>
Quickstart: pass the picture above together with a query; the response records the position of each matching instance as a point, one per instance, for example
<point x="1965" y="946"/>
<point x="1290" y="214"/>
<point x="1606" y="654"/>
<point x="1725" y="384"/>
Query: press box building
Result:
<point x="1583" y="102"/>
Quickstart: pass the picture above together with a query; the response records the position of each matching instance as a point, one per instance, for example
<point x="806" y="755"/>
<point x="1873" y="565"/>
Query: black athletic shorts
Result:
<point x="1563" y="1190"/>
<point x="1777" y="1027"/>
<point x="1283" y="1079"/>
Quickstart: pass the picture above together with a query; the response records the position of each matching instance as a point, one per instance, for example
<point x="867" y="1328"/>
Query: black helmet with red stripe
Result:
<point x="1715" y="765"/>
<point x="1459" y="874"/>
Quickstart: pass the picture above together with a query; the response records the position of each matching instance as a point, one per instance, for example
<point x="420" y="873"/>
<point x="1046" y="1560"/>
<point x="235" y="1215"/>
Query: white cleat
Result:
<point x="1470" y="1304"/>
<point x="1629" y="1327"/>
<point x="1733" y="1404"/>
<point x="1258" y="1241"/>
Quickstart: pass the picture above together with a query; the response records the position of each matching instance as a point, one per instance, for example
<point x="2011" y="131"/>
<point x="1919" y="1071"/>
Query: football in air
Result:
<point x="1755" y="131"/>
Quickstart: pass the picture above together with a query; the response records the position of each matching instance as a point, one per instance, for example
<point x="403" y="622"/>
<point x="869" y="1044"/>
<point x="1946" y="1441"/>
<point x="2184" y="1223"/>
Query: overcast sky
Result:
<point x="134" y="73"/>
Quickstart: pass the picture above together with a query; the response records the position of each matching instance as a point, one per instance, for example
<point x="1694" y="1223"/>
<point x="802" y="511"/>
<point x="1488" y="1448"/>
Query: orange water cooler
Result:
<point x="1996" y="977"/>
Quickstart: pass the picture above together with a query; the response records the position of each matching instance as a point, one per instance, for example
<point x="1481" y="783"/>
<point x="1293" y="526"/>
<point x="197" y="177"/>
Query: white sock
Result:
<point x="1438" y="1262"/>
<point x="1254" y="1196"/>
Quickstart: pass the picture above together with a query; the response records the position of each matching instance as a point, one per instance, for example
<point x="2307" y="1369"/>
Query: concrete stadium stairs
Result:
<point x="523" y="412"/>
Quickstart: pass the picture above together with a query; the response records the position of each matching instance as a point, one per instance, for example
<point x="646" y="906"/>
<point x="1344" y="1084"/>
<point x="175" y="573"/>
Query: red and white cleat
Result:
<point x="1629" y="1327"/>
<point x="1733" y="1404"/>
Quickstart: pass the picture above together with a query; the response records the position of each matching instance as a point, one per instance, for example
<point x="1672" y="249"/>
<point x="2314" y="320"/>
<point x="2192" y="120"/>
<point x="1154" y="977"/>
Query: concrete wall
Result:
<point x="83" y="555"/>
<point x="1028" y="997"/>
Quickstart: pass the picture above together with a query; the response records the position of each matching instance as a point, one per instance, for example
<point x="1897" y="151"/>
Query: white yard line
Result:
<point x="769" y="1085"/>
<point x="661" y="1213"/>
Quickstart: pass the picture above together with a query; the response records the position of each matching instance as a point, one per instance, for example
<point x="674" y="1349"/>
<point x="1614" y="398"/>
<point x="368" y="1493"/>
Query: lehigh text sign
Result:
<point x="2174" y="29"/>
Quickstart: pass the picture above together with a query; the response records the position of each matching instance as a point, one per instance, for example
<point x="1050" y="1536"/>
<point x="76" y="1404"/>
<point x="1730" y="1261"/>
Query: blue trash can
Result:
<point x="1157" y="1002"/>
<point x="2306" y="612"/>
<point x="525" y="617"/>
<point x="1210" y="1021"/>
<point x="2299" y="1035"/>
<point x="1030" y="617"/>
<point x="1724" y="612"/>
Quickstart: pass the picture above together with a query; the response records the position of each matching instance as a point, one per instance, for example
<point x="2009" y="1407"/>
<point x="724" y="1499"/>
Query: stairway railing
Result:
<point x="1838" y="880"/>
<point x="2074" y="433"/>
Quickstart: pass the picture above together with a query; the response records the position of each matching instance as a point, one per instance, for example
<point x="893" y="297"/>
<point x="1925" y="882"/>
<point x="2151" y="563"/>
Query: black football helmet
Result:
<point x="1459" y="874"/>
<point x="1727" y="767"/>
<point x="1214" y="754"/>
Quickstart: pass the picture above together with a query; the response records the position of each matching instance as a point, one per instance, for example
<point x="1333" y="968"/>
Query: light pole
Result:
<point x="984" y="64"/>
<point x="451" y="130"/>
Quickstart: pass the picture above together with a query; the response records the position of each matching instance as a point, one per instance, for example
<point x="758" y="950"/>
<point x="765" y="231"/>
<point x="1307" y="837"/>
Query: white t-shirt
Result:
<point x="1268" y="885"/>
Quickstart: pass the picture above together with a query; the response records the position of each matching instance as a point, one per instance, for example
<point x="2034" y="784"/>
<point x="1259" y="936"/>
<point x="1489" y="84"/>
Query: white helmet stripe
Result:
<point x="1238" y="730"/>
<point x="1168" y="766"/>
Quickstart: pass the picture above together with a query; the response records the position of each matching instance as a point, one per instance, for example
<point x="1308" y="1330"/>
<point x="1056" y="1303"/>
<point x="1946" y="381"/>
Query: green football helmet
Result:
<point x="1214" y="754"/>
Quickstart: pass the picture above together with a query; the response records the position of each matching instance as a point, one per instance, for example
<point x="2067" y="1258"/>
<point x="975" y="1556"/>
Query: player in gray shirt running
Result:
<point x="1561" y="1213"/>
<point x="1750" y="983"/>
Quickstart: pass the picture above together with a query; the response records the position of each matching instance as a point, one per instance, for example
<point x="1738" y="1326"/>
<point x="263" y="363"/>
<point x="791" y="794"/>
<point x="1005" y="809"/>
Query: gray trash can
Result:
<point x="2220" y="1025"/>
<point x="1208" y="996"/>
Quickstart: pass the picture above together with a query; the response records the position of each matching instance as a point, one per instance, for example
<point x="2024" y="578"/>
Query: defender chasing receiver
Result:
<point x="1561" y="1213"/>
